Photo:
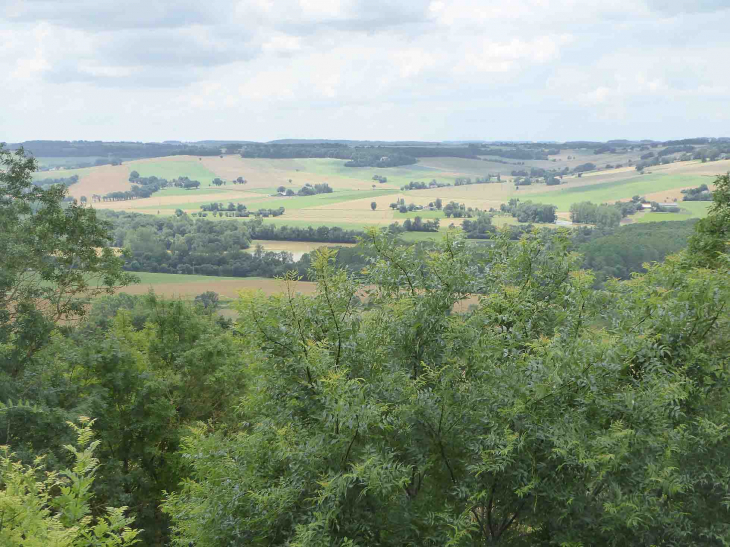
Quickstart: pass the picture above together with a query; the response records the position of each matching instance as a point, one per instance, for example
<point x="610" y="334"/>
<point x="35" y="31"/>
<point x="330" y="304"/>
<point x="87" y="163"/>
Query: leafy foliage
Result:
<point x="548" y="414"/>
<point x="55" y="511"/>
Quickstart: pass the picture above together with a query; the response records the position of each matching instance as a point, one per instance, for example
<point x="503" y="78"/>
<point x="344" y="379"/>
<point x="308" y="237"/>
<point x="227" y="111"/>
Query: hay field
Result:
<point x="189" y="286"/>
<point x="99" y="180"/>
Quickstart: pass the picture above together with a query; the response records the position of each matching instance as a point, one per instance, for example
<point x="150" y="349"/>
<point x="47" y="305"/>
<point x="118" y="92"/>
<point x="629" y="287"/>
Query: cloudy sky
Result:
<point x="364" y="69"/>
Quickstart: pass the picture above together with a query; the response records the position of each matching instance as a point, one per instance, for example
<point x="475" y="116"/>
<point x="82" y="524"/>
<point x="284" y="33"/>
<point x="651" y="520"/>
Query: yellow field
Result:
<point x="100" y="180"/>
<point x="226" y="288"/>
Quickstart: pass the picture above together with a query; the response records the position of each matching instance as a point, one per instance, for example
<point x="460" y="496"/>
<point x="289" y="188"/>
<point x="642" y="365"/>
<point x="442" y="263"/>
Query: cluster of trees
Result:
<point x="466" y="181"/>
<point x="685" y="152"/>
<point x="459" y="210"/>
<point x="380" y="179"/>
<point x="603" y="216"/>
<point x="306" y="190"/>
<point x="144" y="187"/>
<point x="479" y="228"/>
<point x="309" y="190"/>
<point x="360" y="156"/>
<point x="527" y="211"/>
<point x="136" y="192"/>
<point x="583" y="167"/>
<point x="323" y="234"/>
<point x="235" y="211"/>
<point x="419" y="225"/>
<point x="66" y="181"/>
<point x="550" y="414"/>
<point x="420" y="185"/>
<point x="701" y="193"/>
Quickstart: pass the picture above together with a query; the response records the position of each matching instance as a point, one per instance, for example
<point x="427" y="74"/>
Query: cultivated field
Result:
<point x="349" y="206"/>
<point x="189" y="286"/>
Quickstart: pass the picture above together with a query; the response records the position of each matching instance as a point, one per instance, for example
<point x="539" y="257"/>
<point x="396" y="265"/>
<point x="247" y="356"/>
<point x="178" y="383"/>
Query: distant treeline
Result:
<point x="386" y="156"/>
<point x="126" y="150"/>
<point x="322" y="234"/>
<point x="67" y="181"/>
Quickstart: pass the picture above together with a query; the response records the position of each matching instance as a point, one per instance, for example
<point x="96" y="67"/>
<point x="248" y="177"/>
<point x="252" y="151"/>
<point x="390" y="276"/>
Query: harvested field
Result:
<point x="176" y="286"/>
<point x="99" y="180"/>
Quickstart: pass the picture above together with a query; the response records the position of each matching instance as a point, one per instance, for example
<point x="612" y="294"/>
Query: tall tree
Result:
<point x="55" y="255"/>
<point x="547" y="414"/>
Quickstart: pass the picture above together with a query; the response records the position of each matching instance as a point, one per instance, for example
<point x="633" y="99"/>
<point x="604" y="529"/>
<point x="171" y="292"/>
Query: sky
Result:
<point x="153" y="70"/>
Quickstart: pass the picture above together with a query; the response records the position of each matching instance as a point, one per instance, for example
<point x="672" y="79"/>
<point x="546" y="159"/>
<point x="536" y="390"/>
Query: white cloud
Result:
<point x="422" y="69"/>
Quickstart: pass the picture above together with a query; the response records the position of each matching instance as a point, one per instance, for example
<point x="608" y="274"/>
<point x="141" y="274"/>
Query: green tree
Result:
<point x="209" y="300"/>
<point x="373" y="205"/>
<point x="55" y="256"/>
<point x="548" y="414"/>
<point x="710" y="243"/>
<point x="55" y="510"/>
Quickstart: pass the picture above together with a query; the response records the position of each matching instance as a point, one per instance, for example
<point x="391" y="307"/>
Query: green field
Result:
<point x="614" y="191"/>
<point x="173" y="169"/>
<point x="689" y="209"/>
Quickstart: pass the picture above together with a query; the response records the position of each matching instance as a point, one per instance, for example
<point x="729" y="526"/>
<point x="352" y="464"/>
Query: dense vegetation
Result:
<point x="464" y="395"/>
<point x="527" y="211"/>
<point x="622" y="252"/>
<point x="701" y="193"/>
<point x="604" y="215"/>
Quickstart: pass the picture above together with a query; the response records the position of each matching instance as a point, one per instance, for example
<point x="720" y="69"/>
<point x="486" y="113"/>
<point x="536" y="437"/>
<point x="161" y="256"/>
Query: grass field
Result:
<point x="616" y="191"/>
<point x="688" y="210"/>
